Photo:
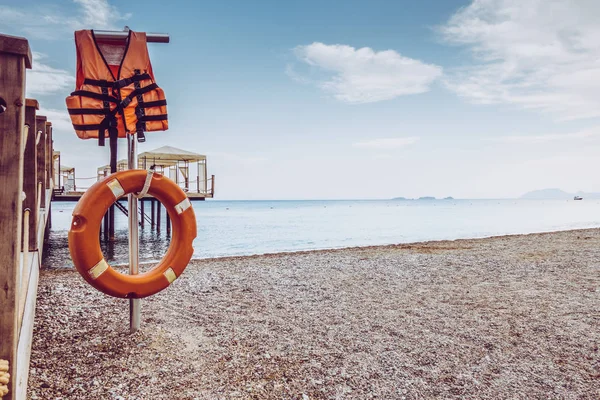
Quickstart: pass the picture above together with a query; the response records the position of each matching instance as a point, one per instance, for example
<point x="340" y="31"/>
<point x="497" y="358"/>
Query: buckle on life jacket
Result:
<point x="122" y="83"/>
<point x="126" y="101"/>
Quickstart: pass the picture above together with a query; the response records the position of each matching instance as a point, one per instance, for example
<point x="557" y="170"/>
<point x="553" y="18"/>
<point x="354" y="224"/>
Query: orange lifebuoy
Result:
<point x="85" y="229"/>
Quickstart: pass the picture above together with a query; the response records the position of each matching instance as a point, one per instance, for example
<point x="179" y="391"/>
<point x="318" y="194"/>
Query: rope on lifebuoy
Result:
<point x="146" y="184"/>
<point x="4" y="377"/>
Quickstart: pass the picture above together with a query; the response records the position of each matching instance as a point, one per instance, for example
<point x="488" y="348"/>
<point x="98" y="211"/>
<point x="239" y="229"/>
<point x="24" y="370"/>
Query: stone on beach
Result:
<point x="467" y="319"/>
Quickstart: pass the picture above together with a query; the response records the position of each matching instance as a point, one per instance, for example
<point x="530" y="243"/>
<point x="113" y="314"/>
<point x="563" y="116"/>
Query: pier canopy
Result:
<point x="168" y="156"/>
<point x="177" y="164"/>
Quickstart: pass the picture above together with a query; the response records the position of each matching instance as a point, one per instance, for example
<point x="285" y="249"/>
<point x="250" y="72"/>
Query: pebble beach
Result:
<point x="502" y="317"/>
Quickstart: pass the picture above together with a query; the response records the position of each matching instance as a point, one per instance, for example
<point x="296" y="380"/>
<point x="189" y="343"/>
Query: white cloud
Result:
<point x="53" y="23"/>
<point x="99" y="14"/>
<point x="43" y="79"/>
<point x="553" y="137"/>
<point x="386" y="143"/>
<point x="364" y="75"/>
<point x="542" y="55"/>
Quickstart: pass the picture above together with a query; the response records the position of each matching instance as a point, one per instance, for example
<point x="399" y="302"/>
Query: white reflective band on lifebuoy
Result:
<point x="184" y="205"/>
<point x="147" y="183"/>
<point x="116" y="188"/>
<point x="98" y="269"/>
<point x="170" y="275"/>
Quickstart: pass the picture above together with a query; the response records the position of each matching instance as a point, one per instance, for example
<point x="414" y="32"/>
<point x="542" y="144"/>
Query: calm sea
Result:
<point x="227" y="228"/>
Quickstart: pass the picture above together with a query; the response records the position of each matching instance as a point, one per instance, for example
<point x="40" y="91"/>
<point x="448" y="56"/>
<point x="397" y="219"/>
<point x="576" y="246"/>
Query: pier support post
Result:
<point x="30" y="186"/>
<point x="168" y="223"/>
<point x="15" y="57"/>
<point x="152" y="215"/>
<point x="157" y="215"/>
<point x="142" y="212"/>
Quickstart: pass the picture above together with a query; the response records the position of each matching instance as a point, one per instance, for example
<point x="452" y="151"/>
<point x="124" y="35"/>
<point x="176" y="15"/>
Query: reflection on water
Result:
<point x="152" y="244"/>
<point x="232" y="228"/>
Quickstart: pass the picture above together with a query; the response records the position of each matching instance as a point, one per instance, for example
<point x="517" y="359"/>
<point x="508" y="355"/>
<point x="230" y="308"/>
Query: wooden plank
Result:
<point x="40" y="123"/>
<point x="23" y="274"/>
<point x="16" y="46"/>
<point x="30" y="174"/>
<point x="25" y="338"/>
<point x="12" y="92"/>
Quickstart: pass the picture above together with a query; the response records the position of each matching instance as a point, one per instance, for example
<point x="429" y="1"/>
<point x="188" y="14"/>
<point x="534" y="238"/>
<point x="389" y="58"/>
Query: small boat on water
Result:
<point x="577" y="198"/>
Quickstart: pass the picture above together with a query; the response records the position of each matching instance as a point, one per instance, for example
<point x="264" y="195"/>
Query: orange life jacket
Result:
<point x="115" y="89"/>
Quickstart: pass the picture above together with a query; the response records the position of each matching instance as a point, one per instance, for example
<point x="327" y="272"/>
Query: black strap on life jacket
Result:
<point x="106" y="106"/>
<point x="109" y="123"/>
<point x="121" y="83"/>
<point x="139" y="111"/>
<point x="94" y="95"/>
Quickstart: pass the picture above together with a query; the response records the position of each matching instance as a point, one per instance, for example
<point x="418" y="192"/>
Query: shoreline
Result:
<point x="335" y="249"/>
<point x="467" y="318"/>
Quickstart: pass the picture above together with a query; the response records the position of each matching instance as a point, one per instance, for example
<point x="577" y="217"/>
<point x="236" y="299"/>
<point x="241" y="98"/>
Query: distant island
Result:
<point x="557" y="194"/>
<point x="424" y="198"/>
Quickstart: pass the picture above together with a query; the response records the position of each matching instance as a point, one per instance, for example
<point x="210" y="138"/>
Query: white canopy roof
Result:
<point x="164" y="156"/>
<point x="168" y="153"/>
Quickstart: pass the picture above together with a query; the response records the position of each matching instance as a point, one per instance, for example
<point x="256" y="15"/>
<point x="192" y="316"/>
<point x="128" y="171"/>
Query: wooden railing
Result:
<point x="204" y="187"/>
<point x="26" y="171"/>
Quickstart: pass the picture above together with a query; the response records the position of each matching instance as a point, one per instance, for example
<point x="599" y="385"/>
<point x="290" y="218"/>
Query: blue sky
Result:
<point x="354" y="99"/>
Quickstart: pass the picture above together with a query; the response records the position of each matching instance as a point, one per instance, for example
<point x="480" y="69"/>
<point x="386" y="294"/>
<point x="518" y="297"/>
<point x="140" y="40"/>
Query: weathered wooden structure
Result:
<point x="26" y="183"/>
<point x="187" y="169"/>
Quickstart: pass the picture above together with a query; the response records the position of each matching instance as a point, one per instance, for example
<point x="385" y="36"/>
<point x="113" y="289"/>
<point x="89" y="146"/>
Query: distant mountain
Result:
<point x="427" y="198"/>
<point x="557" y="194"/>
<point x="399" y="198"/>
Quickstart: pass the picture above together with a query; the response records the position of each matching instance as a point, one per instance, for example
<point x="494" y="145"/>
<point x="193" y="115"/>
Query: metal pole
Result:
<point x="122" y="35"/>
<point x="134" y="304"/>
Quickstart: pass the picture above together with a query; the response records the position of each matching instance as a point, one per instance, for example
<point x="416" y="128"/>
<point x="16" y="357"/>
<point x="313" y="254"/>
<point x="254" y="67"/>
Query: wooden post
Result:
<point x="152" y="216"/>
<point x="40" y="123"/>
<point x="49" y="157"/>
<point x="30" y="175"/>
<point x="157" y="215"/>
<point x="168" y="222"/>
<point x="142" y="212"/>
<point x="105" y="229"/>
<point x="15" y="57"/>
<point x="212" y="189"/>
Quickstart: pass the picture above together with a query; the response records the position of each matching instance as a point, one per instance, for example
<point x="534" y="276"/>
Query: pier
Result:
<point x="177" y="164"/>
<point x="26" y="184"/>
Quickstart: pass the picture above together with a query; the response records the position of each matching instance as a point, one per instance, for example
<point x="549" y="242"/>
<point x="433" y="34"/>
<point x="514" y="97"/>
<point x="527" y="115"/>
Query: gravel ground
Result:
<point x="507" y="317"/>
